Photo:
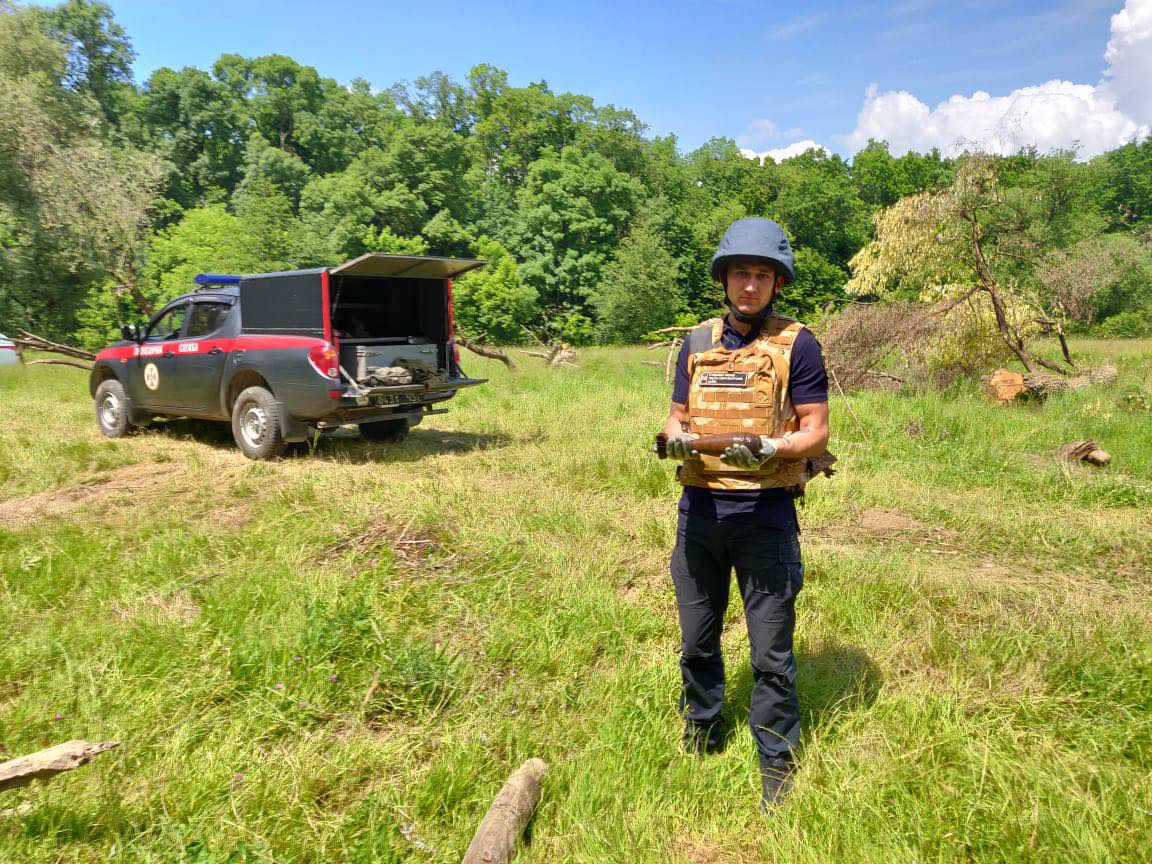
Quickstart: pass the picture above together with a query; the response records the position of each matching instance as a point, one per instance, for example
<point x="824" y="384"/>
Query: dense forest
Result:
<point x="114" y="193"/>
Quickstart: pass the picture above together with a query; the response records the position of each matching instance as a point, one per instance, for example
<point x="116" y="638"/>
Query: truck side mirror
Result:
<point x="131" y="332"/>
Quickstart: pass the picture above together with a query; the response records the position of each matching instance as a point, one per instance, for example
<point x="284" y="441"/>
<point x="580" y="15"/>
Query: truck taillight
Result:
<point x="325" y="360"/>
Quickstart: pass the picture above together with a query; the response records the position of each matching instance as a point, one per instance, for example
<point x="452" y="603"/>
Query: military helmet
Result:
<point x="755" y="237"/>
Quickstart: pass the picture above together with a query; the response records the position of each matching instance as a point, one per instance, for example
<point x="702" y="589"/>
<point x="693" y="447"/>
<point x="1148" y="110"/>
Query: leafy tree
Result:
<point x="639" y="291"/>
<point x="195" y="123"/>
<point x="99" y="53"/>
<point x="436" y="98"/>
<point x="64" y="191"/>
<point x="878" y="176"/>
<point x="1125" y="186"/>
<point x="265" y="164"/>
<point x="446" y="236"/>
<point x="492" y="301"/>
<point x="819" y="206"/>
<point x="521" y="123"/>
<point x="276" y="90"/>
<point x="984" y="238"/>
<point x="572" y="210"/>
<point x="818" y="281"/>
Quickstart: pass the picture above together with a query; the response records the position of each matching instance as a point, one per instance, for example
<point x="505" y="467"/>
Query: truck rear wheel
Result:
<point x="256" y="424"/>
<point x="393" y="431"/>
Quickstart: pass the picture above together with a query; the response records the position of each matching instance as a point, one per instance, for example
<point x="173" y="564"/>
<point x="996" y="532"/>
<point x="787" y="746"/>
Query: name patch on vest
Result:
<point x="722" y="379"/>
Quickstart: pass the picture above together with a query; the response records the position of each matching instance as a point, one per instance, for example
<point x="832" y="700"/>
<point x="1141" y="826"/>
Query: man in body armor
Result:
<point x="751" y="372"/>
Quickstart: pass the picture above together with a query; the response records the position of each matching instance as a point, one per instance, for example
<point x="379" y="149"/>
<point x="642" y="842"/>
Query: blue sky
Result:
<point x="765" y="73"/>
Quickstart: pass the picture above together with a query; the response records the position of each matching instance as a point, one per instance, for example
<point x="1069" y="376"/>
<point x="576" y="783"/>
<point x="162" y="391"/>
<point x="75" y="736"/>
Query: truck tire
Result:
<point x="393" y="431"/>
<point x="256" y="424"/>
<point x="112" y="409"/>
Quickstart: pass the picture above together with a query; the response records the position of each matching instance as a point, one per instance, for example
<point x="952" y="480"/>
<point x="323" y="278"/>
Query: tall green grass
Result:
<point x="341" y="656"/>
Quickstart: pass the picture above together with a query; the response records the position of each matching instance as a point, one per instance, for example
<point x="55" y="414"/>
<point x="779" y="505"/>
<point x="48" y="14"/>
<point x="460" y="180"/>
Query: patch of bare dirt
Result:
<point x="878" y="525"/>
<point x="412" y="548"/>
<point x="693" y="850"/>
<point x="646" y="579"/>
<point x="125" y="482"/>
<point x="177" y="607"/>
<point x="877" y="520"/>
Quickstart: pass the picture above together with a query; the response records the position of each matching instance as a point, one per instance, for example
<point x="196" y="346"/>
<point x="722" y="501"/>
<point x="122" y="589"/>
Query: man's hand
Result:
<point x="680" y="447"/>
<point x="739" y="456"/>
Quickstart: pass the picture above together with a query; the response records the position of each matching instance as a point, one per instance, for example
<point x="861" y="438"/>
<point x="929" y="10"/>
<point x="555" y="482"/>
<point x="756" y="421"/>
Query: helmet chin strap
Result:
<point x="759" y="318"/>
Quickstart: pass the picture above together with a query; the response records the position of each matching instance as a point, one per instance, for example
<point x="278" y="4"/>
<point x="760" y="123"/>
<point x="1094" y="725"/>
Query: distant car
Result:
<point x="281" y="355"/>
<point x="9" y="352"/>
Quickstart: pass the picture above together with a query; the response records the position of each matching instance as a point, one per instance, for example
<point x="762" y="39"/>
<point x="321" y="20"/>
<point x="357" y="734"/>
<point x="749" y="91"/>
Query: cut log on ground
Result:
<point x="499" y="834"/>
<point x="490" y="353"/>
<point x="1005" y="386"/>
<point x="1084" y="451"/>
<point x="48" y="763"/>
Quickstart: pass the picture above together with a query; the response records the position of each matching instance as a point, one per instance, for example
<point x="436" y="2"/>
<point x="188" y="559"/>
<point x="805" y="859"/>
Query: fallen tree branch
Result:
<point x="490" y="353"/>
<point x="558" y="355"/>
<point x="676" y="329"/>
<point x="498" y="835"/>
<point x="45" y="764"/>
<point x="60" y="363"/>
<point x="39" y="343"/>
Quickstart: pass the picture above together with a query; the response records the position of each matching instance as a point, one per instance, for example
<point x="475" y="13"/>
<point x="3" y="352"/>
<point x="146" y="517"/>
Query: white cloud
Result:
<point x="759" y="131"/>
<point x="1053" y="115"/>
<point x="782" y="153"/>
<point x="1128" y="78"/>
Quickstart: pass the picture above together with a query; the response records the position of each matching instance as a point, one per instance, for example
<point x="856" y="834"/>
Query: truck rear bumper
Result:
<point x="369" y="404"/>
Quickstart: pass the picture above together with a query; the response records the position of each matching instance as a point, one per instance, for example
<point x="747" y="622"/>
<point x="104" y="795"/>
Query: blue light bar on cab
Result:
<point x="216" y="279"/>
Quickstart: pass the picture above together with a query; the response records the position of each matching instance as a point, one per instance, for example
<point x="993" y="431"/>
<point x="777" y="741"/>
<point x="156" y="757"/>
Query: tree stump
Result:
<point x="1005" y="386"/>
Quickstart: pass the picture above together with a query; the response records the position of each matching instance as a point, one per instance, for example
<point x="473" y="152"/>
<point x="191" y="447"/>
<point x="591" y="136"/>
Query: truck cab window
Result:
<point x="206" y="318"/>
<point x="168" y="325"/>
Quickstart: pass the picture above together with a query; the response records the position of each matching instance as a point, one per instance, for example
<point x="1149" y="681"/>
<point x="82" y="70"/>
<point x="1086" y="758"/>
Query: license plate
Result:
<point x="394" y="399"/>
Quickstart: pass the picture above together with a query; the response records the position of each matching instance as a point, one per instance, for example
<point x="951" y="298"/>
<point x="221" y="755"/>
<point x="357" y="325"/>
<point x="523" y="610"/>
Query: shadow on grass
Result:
<point x="341" y="445"/>
<point x="833" y="681"/>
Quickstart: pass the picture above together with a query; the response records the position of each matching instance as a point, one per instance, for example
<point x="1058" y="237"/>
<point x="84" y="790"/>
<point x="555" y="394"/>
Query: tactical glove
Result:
<point x="739" y="456"/>
<point x="680" y="447"/>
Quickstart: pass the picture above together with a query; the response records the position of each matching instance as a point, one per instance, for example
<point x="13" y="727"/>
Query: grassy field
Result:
<point x="339" y="657"/>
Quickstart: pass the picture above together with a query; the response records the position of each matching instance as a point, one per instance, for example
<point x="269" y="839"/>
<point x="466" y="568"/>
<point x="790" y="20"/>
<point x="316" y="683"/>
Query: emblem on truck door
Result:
<point x="151" y="376"/>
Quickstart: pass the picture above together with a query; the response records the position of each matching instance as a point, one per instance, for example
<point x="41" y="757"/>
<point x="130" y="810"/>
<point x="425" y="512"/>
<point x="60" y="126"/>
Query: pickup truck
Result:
<point x="282" y="355"/>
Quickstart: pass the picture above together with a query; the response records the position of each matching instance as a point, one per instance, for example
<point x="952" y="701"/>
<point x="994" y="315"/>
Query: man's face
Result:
<point x="751" y="284"/>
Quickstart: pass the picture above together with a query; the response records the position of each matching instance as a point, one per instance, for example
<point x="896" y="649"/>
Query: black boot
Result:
<point x="775" y="781"/>
<point x="703" y="740"/>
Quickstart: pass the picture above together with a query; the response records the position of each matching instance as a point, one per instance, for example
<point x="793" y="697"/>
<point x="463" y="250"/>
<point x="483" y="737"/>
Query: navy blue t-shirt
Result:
<point x="768" y="508"/>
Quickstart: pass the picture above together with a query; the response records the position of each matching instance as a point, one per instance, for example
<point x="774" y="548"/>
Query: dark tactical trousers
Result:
<point x="770" y="575"/>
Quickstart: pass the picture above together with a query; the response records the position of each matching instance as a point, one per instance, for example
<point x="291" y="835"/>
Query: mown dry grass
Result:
<point x="340" y="656"/>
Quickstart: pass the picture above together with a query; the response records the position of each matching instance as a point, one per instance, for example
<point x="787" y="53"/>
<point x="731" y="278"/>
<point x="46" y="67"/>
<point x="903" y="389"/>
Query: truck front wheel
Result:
<point x="394" y="431"/>
<point x="112" y="409"/>
<point x="256" y="424"/>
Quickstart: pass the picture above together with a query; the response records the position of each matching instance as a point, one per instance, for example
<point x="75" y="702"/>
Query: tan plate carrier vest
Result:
<point x="745" y="390"/>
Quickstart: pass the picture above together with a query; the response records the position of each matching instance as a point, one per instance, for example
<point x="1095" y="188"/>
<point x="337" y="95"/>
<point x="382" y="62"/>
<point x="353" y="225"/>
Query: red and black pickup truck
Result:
<point x="281" y="355"/>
